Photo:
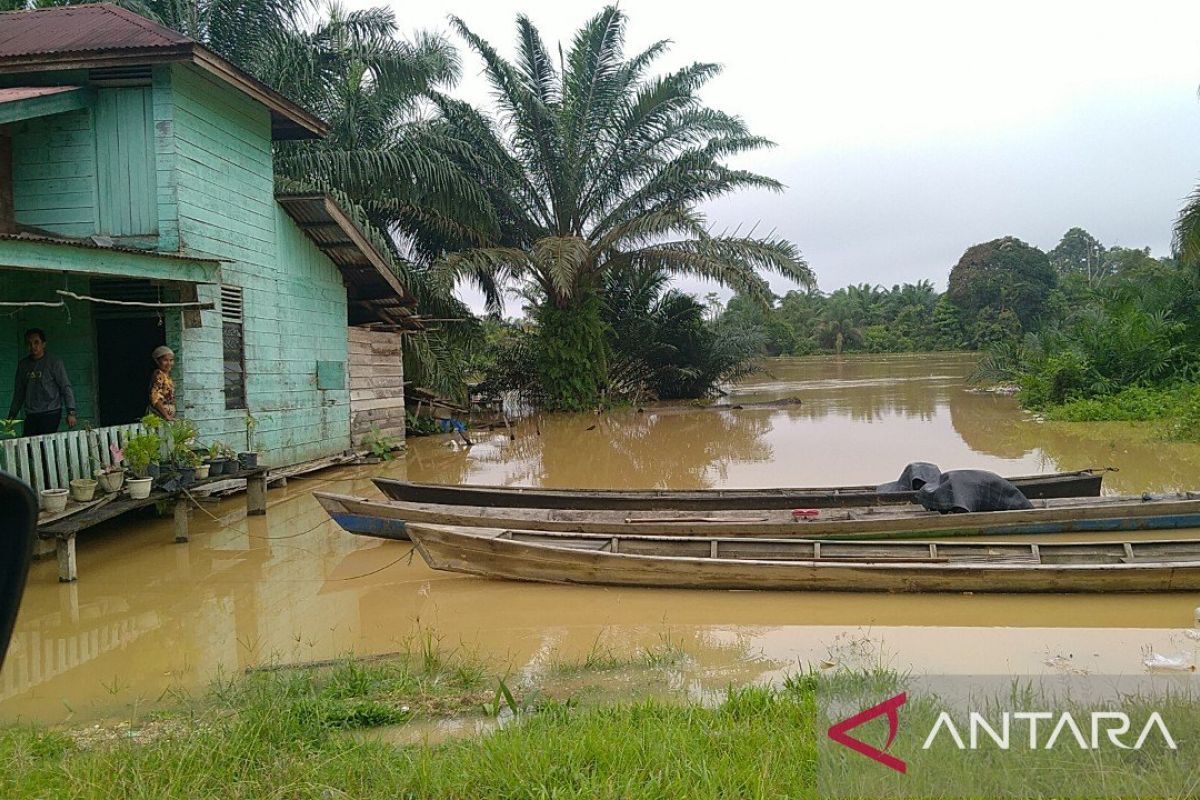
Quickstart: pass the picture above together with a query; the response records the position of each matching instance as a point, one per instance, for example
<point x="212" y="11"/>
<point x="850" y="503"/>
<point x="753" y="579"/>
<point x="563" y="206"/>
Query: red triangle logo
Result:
<point x="890" y="707"/>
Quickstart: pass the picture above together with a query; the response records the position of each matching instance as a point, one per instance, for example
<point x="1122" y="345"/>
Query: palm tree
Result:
<point x="377" y="160"/>
<point x="1187" y="230"/>
<point x="595" y="167"/>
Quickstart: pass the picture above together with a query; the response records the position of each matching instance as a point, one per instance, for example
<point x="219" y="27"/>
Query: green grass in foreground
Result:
<point x="281" y="735"/>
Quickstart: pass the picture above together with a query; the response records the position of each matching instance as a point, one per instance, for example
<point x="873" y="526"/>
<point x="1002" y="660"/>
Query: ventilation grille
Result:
<point x="231" y="304"/>
<point x="120" y="76"/>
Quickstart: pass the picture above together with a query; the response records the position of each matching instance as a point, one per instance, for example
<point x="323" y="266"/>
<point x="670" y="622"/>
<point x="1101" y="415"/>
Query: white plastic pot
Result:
<point x="54" y="500"/>
<point x="83" y="490"/>
<point x="202" y="471"/>
<point x="139" y="488"/>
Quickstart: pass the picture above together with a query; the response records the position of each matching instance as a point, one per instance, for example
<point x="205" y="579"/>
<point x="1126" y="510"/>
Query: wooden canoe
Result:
<point x="388" y="519"/>
<point x="682" y="563"/>
<point x="1084" y="483"/>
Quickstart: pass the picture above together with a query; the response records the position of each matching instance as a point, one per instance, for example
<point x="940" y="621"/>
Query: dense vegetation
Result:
<point x="1118" y="337"/>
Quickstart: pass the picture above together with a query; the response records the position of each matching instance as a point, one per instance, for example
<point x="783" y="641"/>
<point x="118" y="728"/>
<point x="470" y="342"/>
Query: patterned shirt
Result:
<point x="162" y="394"/>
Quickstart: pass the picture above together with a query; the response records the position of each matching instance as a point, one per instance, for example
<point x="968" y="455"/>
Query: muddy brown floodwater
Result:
<point x="149" y="616"/>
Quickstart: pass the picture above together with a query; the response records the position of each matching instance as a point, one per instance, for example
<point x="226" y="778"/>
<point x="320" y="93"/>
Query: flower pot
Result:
<point x="228" y="465"/>
<point x="248" y="460"/>
<point x="187" y="476"/>
<point x="139" y="488"/>
<point x="202" y="472"/>
<point x="111" y="482"/>
<point x="54" y="500"/>
<point x="83" y="490"/>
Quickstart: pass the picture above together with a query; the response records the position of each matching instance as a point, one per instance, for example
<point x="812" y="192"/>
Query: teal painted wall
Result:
<point x="69" y="334"/>
<point x="190" y="158"/>
<point x="54" y="173"/>
<point x="294" y="298"/>
<point x="94" y="170"/>
<point x="126" y="173"/>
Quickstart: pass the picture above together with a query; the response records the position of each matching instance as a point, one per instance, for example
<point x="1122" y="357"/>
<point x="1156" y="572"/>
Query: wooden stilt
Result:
<point x="65" y="550"/>
<point x="256" y="494"/>
<point x="181" y="519"/>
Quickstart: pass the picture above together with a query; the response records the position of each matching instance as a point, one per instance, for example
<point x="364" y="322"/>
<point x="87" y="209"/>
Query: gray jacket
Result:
<point x="42" y="386"/>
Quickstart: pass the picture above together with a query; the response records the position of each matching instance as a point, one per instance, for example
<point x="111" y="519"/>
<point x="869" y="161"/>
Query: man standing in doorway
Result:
<point x="42" y="388"/>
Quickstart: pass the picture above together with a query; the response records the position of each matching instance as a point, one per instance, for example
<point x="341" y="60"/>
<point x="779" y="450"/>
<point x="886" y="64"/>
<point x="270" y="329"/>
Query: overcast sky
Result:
<point x="908" y="131"/>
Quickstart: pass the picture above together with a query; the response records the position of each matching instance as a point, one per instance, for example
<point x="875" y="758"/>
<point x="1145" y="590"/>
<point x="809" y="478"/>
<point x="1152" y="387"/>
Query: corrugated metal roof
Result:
<point x="375" y="292"/>
<point x="66" y="29"/>
<point x="15" y="93"/>
<point x="103" y="35"/>
<point x="93" y="244"/>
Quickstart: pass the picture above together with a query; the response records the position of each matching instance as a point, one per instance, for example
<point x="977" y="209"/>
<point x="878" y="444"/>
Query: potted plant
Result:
<point x="141" y="452"/>
<point x="203" y="468"/>
<point x="8" y="428"/>
<point x="112" y="477"/>
<point x="216" y="459"/>
<point x="230" y="456"/>
<point x="186" y="462"/>
<point x="249" y="458"/>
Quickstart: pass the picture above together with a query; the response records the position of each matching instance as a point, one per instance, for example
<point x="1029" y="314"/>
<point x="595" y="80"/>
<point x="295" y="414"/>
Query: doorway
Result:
<point x="123" y="365"/>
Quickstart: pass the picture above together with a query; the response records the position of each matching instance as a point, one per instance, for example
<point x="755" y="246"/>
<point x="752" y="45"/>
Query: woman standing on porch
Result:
<point x="162" y="387"/>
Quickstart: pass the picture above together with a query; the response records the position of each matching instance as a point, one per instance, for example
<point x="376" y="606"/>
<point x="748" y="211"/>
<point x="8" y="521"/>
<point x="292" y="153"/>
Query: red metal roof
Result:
<point x="103" y="35"/>
<point x="66" y="29"/>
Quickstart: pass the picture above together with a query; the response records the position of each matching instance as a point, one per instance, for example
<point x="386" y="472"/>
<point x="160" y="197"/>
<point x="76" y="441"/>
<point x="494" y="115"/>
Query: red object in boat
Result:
<point x="805" y="513"/>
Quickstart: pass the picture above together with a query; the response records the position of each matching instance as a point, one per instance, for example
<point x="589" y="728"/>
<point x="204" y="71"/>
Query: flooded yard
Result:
<point x="149" y="617"/>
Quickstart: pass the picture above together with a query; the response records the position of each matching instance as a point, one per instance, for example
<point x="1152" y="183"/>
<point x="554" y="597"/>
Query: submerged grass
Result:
<point x="603" y="658"/>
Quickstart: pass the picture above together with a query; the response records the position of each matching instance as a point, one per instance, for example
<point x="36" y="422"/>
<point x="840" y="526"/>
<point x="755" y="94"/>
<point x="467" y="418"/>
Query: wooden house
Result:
<point x="138" y="207"/>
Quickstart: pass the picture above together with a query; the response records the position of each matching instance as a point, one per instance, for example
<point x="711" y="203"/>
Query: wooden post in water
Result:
<point x="64" y="547"/>
<point x="256" y="494"/>
<point x="181" y="519"/>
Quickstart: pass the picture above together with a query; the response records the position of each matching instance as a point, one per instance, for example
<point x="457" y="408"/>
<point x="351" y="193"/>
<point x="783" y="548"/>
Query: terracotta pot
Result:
<point x="54" y="500"/>
<point x="139" y="488"/>
<point x="83" y="490"/>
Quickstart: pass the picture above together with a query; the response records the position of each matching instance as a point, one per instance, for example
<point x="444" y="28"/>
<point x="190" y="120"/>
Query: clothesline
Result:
<point x="90" y="299"/>
<point x="137" y="303"/>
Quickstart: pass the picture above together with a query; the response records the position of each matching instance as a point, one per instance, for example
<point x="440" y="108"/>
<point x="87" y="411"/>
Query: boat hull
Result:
<point x="462" y="550"/>
<point x="1067" y="484"/>
<point x="389" y="519"/>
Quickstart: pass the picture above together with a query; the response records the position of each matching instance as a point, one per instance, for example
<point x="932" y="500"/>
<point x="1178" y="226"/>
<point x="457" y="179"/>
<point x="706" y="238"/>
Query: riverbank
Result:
<point x="305" y="733"/>
<point x="362" y="729"/>
<point x="1174" y="411"/>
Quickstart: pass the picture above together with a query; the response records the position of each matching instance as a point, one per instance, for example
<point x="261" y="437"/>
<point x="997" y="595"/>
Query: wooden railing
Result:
<point x="53" y="460"/>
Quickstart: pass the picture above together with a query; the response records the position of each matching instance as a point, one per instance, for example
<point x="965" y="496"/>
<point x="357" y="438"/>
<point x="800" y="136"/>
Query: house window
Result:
<point x="233" y="346"/>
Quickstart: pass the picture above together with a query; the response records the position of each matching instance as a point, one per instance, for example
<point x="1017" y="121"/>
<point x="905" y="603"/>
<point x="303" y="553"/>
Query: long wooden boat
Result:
<point x="683" y="563"/>
<point x="389" y="519"/>
<point x="1084" y="483"/>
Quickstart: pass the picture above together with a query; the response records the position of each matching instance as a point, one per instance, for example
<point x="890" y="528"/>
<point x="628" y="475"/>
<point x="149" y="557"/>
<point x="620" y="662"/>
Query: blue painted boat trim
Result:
<point x="371" y="526"/>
